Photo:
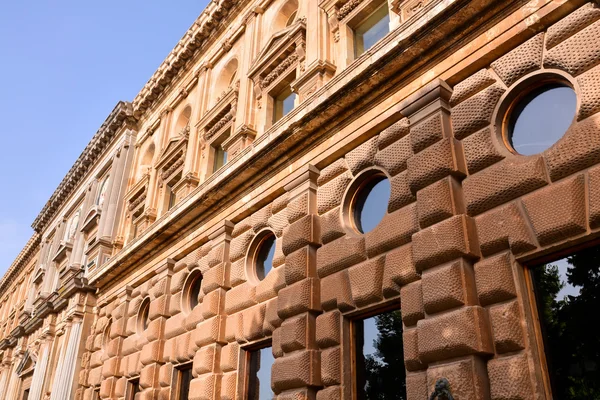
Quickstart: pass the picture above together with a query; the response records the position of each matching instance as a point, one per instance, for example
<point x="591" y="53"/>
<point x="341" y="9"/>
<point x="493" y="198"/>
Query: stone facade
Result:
<point x="97" y="305"/>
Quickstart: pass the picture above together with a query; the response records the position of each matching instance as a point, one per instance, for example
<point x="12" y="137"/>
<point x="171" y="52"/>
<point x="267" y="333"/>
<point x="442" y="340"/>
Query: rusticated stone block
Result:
<point x="578" y="53"/>
<point x="296" y="370"/>
<point x="393" y="133"/>
<point x="589" y="85"/>
<point x="239" y="245"/>
<point x="448" y="286"/>
<point x="509" y="378"/>
<point x="272" y="320"/>
<point x="331" y="171"/>
<point x="506" y="324"/>
<point x="336" y="293"/>
<point x="109" y="368"/>
<point x="300" y="264"/>
<point x="240" y="297"/>
<point x="411" y="350"/>
<point x="578" y="149"/>
<point x="439" y="201"/>
<point x="475" y="113"/>
<point x="149" y="376"/>
<point x="253" y="320"/>
<point x="594" y="197"/>
<point x="502" y="229"/>
<point x="237" y="272"/>
<point x="328" y="330"/>
<point x="366" y="281"/>
<point x="503" y="182"/>
<point x="330" y="194"/>
<point x="152" y="352"/>
<point x="278" y="222"/>
<point x="480" y="151"/>
<point x="437" y="161"/>
<point x="468" y="378"/>
<point x="271" y="285"/>
<point x="196" y="316"/>
<point x="340" y="254"/>
<point x="205" y="387"/>
<point x="228" y="386"/>
<point x="558" y="211"/>
<point x="280" y="203"/>
<point x="210" y="331"/>
<point x="298" y="394"/>
<point x="458" y="333"/>
<point x="276" y="343"/>
<point x="393" y="231"/>
<point x="330" y="393"/>
<point x="107" y="387"/>
<point x="398" y="271"/>
<point x="159" y="308"/>
<point x="296" y="333"/>
<point x="181" y="345"/>
<point x="520" y="61"/>
<point x="473" y="84"/>
<point x="494" y="279"/>
<point x="229" y="357"/>
<point x="331" y="366"/>
<point x="215" y="278"/>
<point x="216" y="255"/>
<point x="298" y="298"/>
<point x="363" y="156"/>
<point x="259" y="220"/>
<point x="425" y="133"/>
<point x="400" y="193"/>
<point x="297" y="208"/>
<point x="331" y="226"/>
<point x="411" y="299"/>
<point x="301" y="233"/>
<point x="278" y="257"/>
<point x="572" y="24"/>
<point x="206" y="359"/>
<point x="450" y="239"/>
<point x="416" y="386"/>
<point x="393" y="158"/>
<point x="212" y="303"/>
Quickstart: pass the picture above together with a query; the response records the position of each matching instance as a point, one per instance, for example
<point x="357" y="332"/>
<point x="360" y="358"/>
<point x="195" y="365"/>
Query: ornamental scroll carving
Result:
<point x="169" y="171"/>
<point x="284" y="65"/>
<point x="347" y="8"/>
<point x="219" y="124"/>
<point x="139" y="200"/>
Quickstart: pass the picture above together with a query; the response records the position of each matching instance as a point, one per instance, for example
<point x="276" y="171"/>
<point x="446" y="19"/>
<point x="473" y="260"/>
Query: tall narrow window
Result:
<point x="371" y="30"/>
<point x="172" y="197"/>
<point x="184" y="377"/>
<point x="133" y="388"/>
<point x="220" y="157"/>
<point x="259" y="363"/>
<point x="567" y="295"/>
<point x="378" y="357"/>
<point x="285" y="102"/>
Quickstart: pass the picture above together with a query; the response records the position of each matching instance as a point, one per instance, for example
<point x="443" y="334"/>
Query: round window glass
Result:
<point x="371" y="203"/>
<point x="143" y="316"/>
<point x="264" y="256"/>
<point x="540" y="118"/>
<point x="194" y="293"/>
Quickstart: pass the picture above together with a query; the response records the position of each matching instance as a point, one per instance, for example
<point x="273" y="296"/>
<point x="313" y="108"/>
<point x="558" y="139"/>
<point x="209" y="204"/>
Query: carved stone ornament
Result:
<point x="218" y="125"/>
<point x="169" y="171"/>
<point x="282" y="67"/>
<point x="347" y="8"/>
<point x="139" y="200"/>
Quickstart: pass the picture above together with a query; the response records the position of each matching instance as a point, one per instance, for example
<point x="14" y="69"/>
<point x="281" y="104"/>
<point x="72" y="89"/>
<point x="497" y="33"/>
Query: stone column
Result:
<point x="79" y="245"/>
<point x="447" y="333"/>
<point x="296" y="372"/>
<point x="13" y="380"/>
<point x="37" y="381"/>
<point x="63" y="382"/>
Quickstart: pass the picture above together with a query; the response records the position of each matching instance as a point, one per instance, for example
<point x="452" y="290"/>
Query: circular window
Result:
<point x="540" y="117"/>
<point x="370" y="202"/>
<point x="260" y="256"/>
<point x="193" y="290"/>
<point x="143" y="315"/>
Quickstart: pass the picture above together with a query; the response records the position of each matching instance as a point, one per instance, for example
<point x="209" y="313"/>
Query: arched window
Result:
<point x="285" y="16"/>
<point x="102" y="192"/>
<point x="183" y="122"/>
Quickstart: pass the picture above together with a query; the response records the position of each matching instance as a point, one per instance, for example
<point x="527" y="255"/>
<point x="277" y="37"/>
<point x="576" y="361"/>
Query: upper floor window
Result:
<point x="258" y="367"/>
<point x="371" y="29"/>
<point x="284" y="99"/>
<point x="102" y="192"/>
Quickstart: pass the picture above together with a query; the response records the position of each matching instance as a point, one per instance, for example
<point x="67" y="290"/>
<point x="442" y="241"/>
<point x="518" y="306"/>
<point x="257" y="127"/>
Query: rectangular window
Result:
<point x="371" y="30"/>
<point x="172" y="197"/>
<point x="96" y="395"/>
<point x="184" y="377"/>
<point x="378" y="357"/>
<point x="220" y="158"/>
<point x="133" y="388"/>
<point x="258" y="367"/>
<point x="566" y="293"/>
<point x="285" y="102"/>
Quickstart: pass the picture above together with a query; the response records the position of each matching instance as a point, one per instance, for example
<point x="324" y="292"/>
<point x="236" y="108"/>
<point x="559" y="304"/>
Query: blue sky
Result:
<point x="64" y="65"/>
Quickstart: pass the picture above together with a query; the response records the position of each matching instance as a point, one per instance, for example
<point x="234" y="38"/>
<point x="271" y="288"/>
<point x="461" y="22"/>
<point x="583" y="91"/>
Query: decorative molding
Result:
<point x="218" y="125"/>
<point x="29" y="250"/>
<point x="139" y="200"/>
<point x="347" y="8"/>
<point x="174" y="167"/>
<point x="282" y="67"/>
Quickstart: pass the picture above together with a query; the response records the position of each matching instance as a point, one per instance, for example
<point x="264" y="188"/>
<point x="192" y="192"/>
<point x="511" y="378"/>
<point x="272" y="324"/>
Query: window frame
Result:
<point x="358" y="24"/>
<point x="177" y="379"/>
<point x="244" y="368"/>
<point x="133" y="388"/>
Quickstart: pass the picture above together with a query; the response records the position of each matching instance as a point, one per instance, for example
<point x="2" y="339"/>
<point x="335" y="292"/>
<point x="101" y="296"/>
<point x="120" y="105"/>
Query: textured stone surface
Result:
<point x="503" y="182"/>
<point x="589" y="84"/>
<point x="416" y="386"/>
<point x="398" y="271"/>
<point x="400" y="194"/>
<point x="331" y="226"/>
<point x="594" y="197"/>
<point x="458" y="333"/>
<point x="467" y="378"/>
<point x="363" y="156"/>
<point x="393" y="158"/>
<point x="411" y="350"/>
<point x="393" y="133"/>
<point x="425" y="133"/>
<point x="366" y="281"/>
<point x="340" y="254"/>
<point x="331" y="366"/>
<point x="448" y="286"/>
<point x="328" y="331"/>
<point x="578" y="53"/>
<point x="520" y="61"/>
<point x="296" y="370"/>
<point x="475" y="113"/>
<point x="439" y="201"/>
<point x="394" y="230"/>
<point x="470" y="86"/>
<point x="506" y="324"/>
<point x="336" y="292"/>
<point x="572" y="24"/>
<point x="299" y="265"/>
<point x="411" y="297"/>
<point x="305" y="231"/>
<point x="509" y="378"/>
<point x="494" y="279"/>
<point x="480" y="150"/>
<point x="330" y="194"/>
<point x="331" y="171"/>
<point x="300" y="297"/>
<point x="558" y="211"/>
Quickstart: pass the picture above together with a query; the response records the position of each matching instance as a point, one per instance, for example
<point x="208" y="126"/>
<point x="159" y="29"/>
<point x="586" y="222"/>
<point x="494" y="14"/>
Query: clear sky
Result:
<point x="64" y="65"/>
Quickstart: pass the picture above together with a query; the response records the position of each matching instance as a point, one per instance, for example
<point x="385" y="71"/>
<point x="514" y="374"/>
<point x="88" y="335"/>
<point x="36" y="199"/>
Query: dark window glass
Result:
<point x="372" y="30"/>
<point x="172" y="197"/>
<point x="568" y="299"/>
<point x="379" y="358"/>
<point x="133" y="389"/>
<point x="541" y="118"/>
<point x="371" y="203"/>
<point x="220" y="157"/>
<point x="259" y="374"/>
<point x="183" y="382"/>
<point x="195" y="292"/>
<point x="264" y="258"/>
<point x="284" y="103"/>
<point x="144" y="314"/>
<point x="26" y="394"/>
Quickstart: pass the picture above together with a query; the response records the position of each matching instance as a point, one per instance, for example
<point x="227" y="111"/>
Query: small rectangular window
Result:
<point x="133" y="388"/>
<point x="258" y="367"/>
<point x="184" y="377"/>
<point x="285" y="102"/>
<point x="371" y="30"/>
<point x="96" y="395"/>
<point x="378" y="357"/>
<point x="220" y="157"/>
<point x="172" y="197"/>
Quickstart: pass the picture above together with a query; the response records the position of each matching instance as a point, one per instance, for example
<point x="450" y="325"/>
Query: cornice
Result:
<point x="22" y="259"/>
<point x="122" y="113"/>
